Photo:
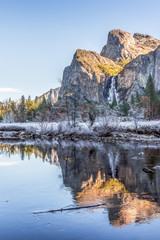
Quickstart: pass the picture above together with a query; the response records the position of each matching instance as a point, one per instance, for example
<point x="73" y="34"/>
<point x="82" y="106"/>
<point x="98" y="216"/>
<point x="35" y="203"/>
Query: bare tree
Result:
<point x="108" y="126"/>
<point x="137" y="113"/>
<point x="92" y="113"/>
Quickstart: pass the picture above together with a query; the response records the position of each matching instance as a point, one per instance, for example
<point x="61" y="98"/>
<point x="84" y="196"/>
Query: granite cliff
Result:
<point x="122" y="45"/>
<point x="87" y="74"/>
<point x="121" y="69"/>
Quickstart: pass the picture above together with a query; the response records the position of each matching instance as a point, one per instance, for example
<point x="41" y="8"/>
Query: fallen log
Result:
<point x="147" y="170"/>
<point x="69" y="209"/>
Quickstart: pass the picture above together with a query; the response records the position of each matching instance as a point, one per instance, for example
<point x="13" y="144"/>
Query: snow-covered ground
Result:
<point x="84" y="125"/>
<point x="48" y="127"/>
<point x="144" y="123"/>
<point x="82" y="128"/>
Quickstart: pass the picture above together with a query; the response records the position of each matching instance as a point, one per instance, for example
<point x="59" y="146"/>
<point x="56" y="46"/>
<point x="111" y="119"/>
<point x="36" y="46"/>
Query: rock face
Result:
<point x="122" y="45"/>
<point x="87" y="74"/>
<point x="119" y="71"/>
<point x="134" y="77"/>
<point x="51" y="96"/>
<point x="84" y="75"/>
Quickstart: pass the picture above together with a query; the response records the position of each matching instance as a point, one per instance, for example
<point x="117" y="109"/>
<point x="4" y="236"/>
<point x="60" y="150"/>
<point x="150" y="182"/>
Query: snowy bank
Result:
<point x="102" y="130"/>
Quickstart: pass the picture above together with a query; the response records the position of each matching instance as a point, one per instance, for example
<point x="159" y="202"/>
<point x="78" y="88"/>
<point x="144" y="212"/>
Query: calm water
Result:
<point x="43" y="177"/>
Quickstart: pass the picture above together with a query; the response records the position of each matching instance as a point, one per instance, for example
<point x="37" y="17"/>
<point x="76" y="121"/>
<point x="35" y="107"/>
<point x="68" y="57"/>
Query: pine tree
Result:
<point x="151" y="93"/>
<point x="138" y="99"/>
<point x="36" y="100"/>
<point x="29" y="109"/>
<point x="29" y="98"/>
<point x="124" y="108"/>
<point x="43" y="106"/>
<point x="1" y="115"/>
<point x="22" y="109"/>
<point x="92" y="113"/>
<point x="114" y="104"/>
<point x="150" y="90"/>
<point x="44" y="99"/>
<point x="132" y="100"/>
<point x="36" y="103"/>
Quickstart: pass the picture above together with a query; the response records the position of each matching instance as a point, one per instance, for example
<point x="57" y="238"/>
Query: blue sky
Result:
<point x="39" y="37"/>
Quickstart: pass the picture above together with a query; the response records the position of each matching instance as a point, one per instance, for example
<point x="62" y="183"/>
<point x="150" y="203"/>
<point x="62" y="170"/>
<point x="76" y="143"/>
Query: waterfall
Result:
<point x="113" y="162"/>
<point x="113" y="95"/>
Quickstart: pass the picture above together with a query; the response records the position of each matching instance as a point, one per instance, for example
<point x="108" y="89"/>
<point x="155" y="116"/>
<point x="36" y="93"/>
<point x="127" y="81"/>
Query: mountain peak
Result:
<point x="122" y="45"/>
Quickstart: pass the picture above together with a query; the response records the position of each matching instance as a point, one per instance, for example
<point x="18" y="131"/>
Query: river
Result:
<point x="37" y="177"/>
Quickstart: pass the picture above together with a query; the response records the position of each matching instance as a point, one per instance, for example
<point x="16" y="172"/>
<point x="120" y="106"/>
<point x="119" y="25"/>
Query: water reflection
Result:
<point x="110" y="173"/>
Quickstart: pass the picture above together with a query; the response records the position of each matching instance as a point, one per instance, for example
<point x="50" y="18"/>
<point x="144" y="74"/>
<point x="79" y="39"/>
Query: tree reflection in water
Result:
<point x="105" y="173"/>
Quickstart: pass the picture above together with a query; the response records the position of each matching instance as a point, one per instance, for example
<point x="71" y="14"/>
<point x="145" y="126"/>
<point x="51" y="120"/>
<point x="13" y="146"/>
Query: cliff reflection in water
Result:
<point x="111" y="174"/>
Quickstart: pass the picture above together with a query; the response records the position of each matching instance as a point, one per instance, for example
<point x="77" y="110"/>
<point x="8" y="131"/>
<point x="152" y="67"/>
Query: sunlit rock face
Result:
<point x="83" y="82"/>
<point x="122" y="45"/>
<point x="85" y="75"/>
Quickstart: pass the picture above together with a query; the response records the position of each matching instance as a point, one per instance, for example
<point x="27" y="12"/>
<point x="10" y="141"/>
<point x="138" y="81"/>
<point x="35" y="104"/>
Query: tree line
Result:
<point x="25" y="110"/>
<point x="41" y="110"/>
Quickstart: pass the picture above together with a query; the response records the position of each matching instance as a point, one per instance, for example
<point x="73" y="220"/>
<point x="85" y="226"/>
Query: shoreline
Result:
<point x="124" y="132"/>
<point x="113" y="137"/>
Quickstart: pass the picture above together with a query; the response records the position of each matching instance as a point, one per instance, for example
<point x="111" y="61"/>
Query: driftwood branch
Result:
<point x="70" y="209"/>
